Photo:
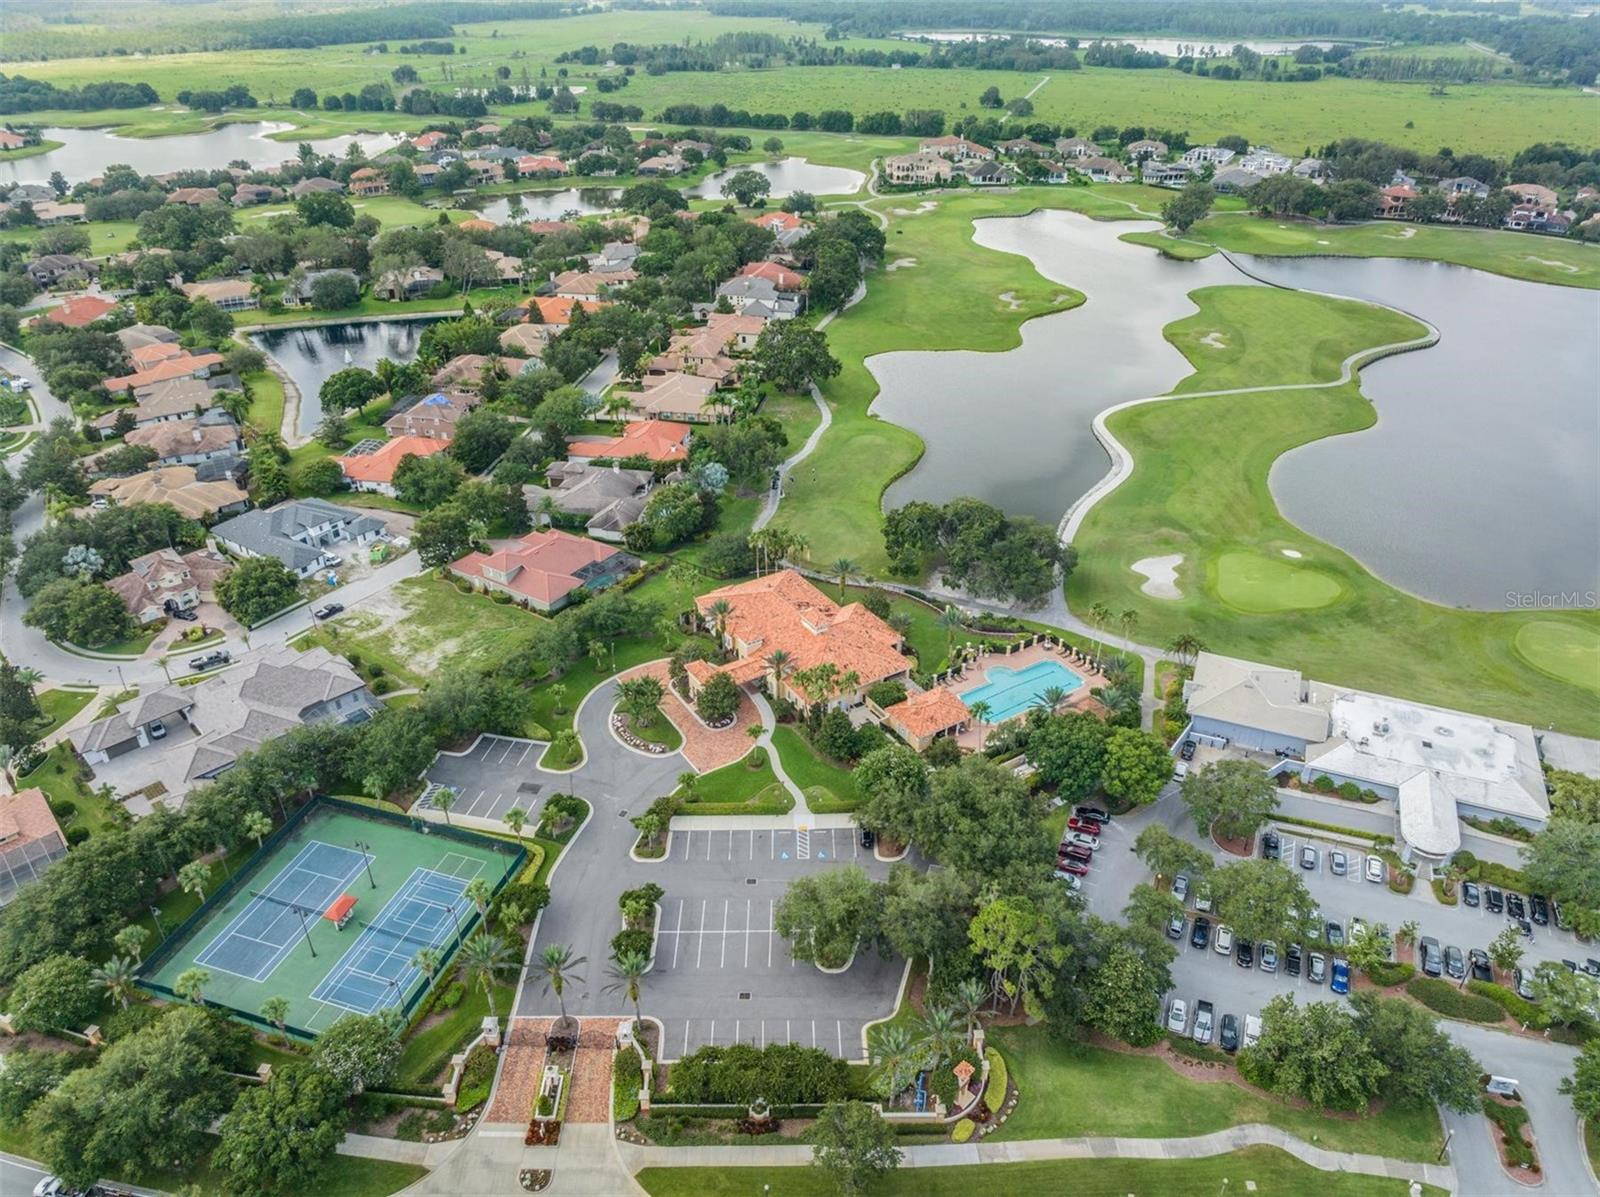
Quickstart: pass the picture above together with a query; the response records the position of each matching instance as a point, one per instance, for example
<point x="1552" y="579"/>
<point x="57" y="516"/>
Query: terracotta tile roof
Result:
<point x="784" y="611"/>
<point x="146" y="356"/>
<point x="675" y="394"/>
<point x="26" y="816"/>
<point x="545" y="227"/>
<point x="779" y="220"/>
<point x="784" y="279"/>
<point x="176" y="438"/>
<point x="84" y="310"/>
<point x="658" y="440"/>
<point x="466" y="370"/>
<point x="379" y="466"/>
<point x="929" y="712"/>
<point x="175" y="485"/>
<point x="542" y="565"/>
<point x="553" y="309"/>
<point x="477" y="225"/>
<point x="174" y="367"/>
<point x="535" y="163"/>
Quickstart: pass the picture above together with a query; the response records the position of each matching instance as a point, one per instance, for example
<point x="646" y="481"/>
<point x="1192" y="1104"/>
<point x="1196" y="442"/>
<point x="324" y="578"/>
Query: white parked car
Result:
<point x="1084" y="840"/>
<point x="1224" y="941"/>
<point x="1252" y="1029"/>
<point x="1178" y="1016"/>
<point x="1376" y="870"/>
<point x="1204" y="1021"/>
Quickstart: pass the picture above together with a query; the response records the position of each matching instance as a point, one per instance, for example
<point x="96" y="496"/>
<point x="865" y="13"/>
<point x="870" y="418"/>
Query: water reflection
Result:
<point x="312" y="355"/>
<point x="788" y="176"/>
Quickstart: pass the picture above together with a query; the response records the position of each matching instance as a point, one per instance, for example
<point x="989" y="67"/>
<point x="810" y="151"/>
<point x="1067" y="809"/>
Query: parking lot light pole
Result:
<point x="366" y="859"/>
<point x="1448" y="1135"/>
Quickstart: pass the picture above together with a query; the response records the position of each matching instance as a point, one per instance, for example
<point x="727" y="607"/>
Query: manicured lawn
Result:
<point x="1270" y="1172"/>
<point x="266" y="401"/>
<point x="737" y="789"/>
<point x="657" y="731"/>
<point x="1173" y="247"/>
<point x="61" y="705"/>
<point x="44" y="146"/>
<point x="1199" y="488"/>
<point x="1141" y="1097"/>
<point x="1591" y="1142"/>
<point x="105" y="237"/>
<point x="555" y="758"/>
<point x="129" y="646"/>
<point x="428" y="1051"/>
<point x="1559" y="260"/>
<point x="828" y="787"/>
<point x="57" y="776"/>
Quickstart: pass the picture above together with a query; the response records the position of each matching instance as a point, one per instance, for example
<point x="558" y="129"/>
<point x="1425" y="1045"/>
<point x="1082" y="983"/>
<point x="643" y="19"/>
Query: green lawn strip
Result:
<point x="61" y="705"/>
<point x="129" y="646"/>
<point x="659" y="730"/>
<point x="554" y="758"/>
<point x="1142" y="1097"/>
<point x="829" y="787"/>
<point x="1273" y="1173"/>
<point x="105" y="236"/>
<point x="1519" y="255"/>
<point x="1174" y="247"/>
<point x="1199" y="488"/>
<point x="737" y="789"/>
<point x="266" y="401"/>
<point x="1591" y="1142"/>
<point x="57" y="775"/>
<point x="428" y="1051"/>
<point x="44" y="146"/>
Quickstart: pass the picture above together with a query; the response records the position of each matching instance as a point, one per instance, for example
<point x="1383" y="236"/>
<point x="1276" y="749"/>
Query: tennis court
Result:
<point x="330" y="915"/>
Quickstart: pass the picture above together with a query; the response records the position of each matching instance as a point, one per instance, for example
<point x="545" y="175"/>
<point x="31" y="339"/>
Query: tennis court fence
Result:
<point x="246" y="874"/>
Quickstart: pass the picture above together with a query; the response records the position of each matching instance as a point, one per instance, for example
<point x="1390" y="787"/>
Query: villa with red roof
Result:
<point x="375" y="471"/>
<point x="185" y="366"/>
<point x="544" y="568"/>
<point x="780" y="222"/>
<point x="783" y="612"/>
<point x="780" y="276"/>
<point x="80" y="312"/>
<point x="30" y="840"/>
<point x="656" y="440"/>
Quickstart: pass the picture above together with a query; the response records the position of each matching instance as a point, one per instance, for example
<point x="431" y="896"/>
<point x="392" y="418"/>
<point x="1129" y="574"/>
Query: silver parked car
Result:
<point x="1178" y="1016"/>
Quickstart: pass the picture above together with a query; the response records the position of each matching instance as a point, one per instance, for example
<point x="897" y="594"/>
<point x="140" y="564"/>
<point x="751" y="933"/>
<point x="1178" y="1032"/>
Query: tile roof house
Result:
<point x="779" y="276"/>
<point x="188" y="365"/>
<point x="369" y="181"/>
<point x="917" y="170"/>
<point x="1166" y="174"/>
<point x="784" y="611"/>
<point x="194" y="196"/>
<point x="466" y="370"/>
<point x="763" y="296"/>
<point x="167" y="580"/>
<point x="375" y="471"/>
<point x="1533" y="193"/>
<point x="187" y="442"/>
<point x="1392" y="201"/>
<point x="298" y="532"/>
<point x="528" y="338"/>
<point x="959" y="149"/>
<point x="145" y="356"/>
<point x="175" y="399"/>
<point x="735" y="330"/>
<point x="314" y="184"/>
<point x="1024" y="147"/>
<point x="923" y="718"/>
<point x="1103" y="170"/>
<point x="1234" y="179"/>
<point x="662" y="164"/>
<point x="535" y="165"/>
<point x="297" y="291"/>
<point x="1201" y="154"/>
<point x="434" y="415"/>
<point x="207" y="727"/>
<point x="30" y="840"/>
<point x="247" y="194"/>
<point x="137" y="335"/>
<point x="413" y="283"/>
<point x="556" y="310"/>
<point x="176" y="485"/>
<point x="786" y="227"/>
<point x="80" y="311"/>
<point x="608" y="498"/>
<point x="1076" y="147"/>
<point x="431" y="140"/>
<point x="1146" y="147"/>
<point x="657" y="440"/>
<point x="682" y="397"/>
<point x="543" y="568"/>
<point x="585" y="284"/>
<point x="229" y="294"/>
<point x="50" y="212"/>
<point x="1463" y="185"/>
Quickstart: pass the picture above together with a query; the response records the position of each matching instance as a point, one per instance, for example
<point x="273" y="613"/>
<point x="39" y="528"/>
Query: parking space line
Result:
<point x="701" y="942"/>
<point x="724" y="934"/>
<point x="774" y="843"/>
<point x="713" y="1038"/>
<point x="708" y="845"/>
<point x="769" y="932"/>
<point x="787" y="1038"/>
<point x="676" y="938"/>
<point x="752" y="843"/>
<point x="747" y="921"/>
<point x="736" y="1030"/>
<point x="840" y="1027"/>
<point x="686" y="1036"/>
<point x="813" y="1032"/>
<point x="526" y="748"/>
<point x="763" y="1034"/>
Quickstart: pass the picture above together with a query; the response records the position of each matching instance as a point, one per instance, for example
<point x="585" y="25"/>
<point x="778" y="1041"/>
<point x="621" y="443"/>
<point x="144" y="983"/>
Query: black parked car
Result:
<point x="185" y="616"/>
<point x="1091" y="812"/>
<point x="1494" y="899"/>
<point x="329" y="611"/>
<point x="869" y="838"/>
<point x="1478" y="961"/>
<point x="1455" y="965"/>
<point x="1270" y="848"/>
<point x="1470" y="893"/>
<point x="1539" y="909"/>
<point x="1229" y="1038"/>
<point x="1291" y="959"/>
<point x="1515" y="907"/>
<point x="1245" y="953"/>
<point x="1432" y="961"/>
<point x="1187" y="751"/>
<point x="1201" y="935"/>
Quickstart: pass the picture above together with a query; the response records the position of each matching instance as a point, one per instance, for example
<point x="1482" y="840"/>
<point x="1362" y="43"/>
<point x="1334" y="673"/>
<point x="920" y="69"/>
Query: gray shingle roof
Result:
<point x="271" y="532"/>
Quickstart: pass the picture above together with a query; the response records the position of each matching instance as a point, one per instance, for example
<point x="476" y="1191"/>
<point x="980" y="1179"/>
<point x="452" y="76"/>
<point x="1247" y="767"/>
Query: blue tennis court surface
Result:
<point x="266" y="931"/>
<point x="377" y="970"/>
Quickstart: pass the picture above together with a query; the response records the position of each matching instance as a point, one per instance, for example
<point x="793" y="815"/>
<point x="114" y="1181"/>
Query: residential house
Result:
<point x="174" y="399"/>
<point x="483" y="172"/>
<point x="466" y="370"/>
<point x="654" y="440"/>
<point x="477" y="225"/>
<point x="1166" y="174"/>
<point x="434" y="415"/>
<point x="432" y="140"/>
<point x="248" y="194"/>
<point x="761" y="296"/>
<point x="374" y="470"/>
<point x="554" y="310"/>
<point x="194" y="197"/>
<point x="30" y="840"/>
<point x="1401" y="179"/>
<point x="928" y="716"/>
<point x="1234" y="180"/>
<point x="369" y="180"/>
<point x="1057" y="172"/>
<point x="1436" y="766"/>
<point x="786" y="227"/>
<point x="412" y="283"/>
<point x="1533" y="195"/>
<point x="47" y="270"/>
<point x="1392" y="200"/>
<point x="79" y="312"/>
<point x="52" y="213"/>
<point x="543" y="569"/>
<point x="541" y="166"/>
<point x="188" y="442"/>
<point x="1313" y="169"/>
<point x="1076" y="147"/>
<point x="186" y="365"/>
<point x="229" y="294"/>
<point x="1103" y="170"/>
<point x="427" y="173"/>
<point x="1023" y="147"/>
<point x="11" y="140"/>
<point x="917" y="170"/>
<point x="1146" y="148"/>
<point x="166" y="580"/>
<point x="606" y="498"/>
<point x="613" y="256"/>
<point x="1264" y="162"/>
<point x="734" y="330"/>
<point x="988" y="174"/>
<point x="314" y="184"/>
<point x="135" y="336"/>
<point x="529" y="339"/>
<point x="297" y="291"/>
<point x="779" y="276"/>
<point x="31" y="193"/>
<point x="955" y="148"/>
<point x="298" y="532"/>
<point x="682" y="397"/>
<point x="146" y="356"/>
<point x="585" y="284"/>
<point x="662" y="165"/>
<point x="204" y="729"/>
<point x="507" y="268"/>
<point x="784" y="612"/>
<point x="176" y="485"/>
<point x="1463" y="185"/>
<point x="1216" y="155"/>
<point x="549" y="228"/>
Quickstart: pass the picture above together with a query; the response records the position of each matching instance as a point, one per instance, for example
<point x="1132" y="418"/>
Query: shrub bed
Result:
<point x="1185" y="1046"/>
<point x="1513" y="1003"/>
<point x="1390" y="973"/>
<point x="963" y="1131"/>
<point x="476" y="1079"/>
<point x="627" y="1076"/>
<point x="782" y="1073"/>
<point x="1509" y="1120"/>
<point x="1446" y="999"/>
<point x="995" y="1094"/>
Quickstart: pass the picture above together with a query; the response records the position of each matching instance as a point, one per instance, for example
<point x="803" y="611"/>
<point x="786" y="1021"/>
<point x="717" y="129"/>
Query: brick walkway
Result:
<point x="591" y="1071"/>
<point x="703" y="747"/>
<point x="520" y="1071"/>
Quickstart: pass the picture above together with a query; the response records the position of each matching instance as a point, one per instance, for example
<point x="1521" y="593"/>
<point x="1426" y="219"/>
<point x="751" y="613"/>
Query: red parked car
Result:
<point x="1076" y="867"/>
<point x="1088" y="826"/>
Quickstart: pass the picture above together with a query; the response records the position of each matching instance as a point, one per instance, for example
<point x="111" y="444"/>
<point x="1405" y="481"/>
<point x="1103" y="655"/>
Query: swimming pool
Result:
<point x="1010" y="692"/>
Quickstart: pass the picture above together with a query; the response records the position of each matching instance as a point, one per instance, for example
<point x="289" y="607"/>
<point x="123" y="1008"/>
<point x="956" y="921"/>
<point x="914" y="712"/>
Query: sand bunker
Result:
<point x="1161" y="576"/>
<point x="1551" y="262"/>
<point x="900" y="264"/>
<point x="1009" y="298"/>
<point x="1214" y="340"/>
<point x="1404" y="234"/>
<point x="924" y="206"/>
<point x="1324" y="242"/>
<point x="1294" y="553"/>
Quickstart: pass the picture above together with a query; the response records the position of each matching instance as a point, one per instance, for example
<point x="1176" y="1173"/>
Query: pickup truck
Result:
<point x="1252" y="1029"/>
<point x="210" y="660"/>
<point x="1204" y="1021"/>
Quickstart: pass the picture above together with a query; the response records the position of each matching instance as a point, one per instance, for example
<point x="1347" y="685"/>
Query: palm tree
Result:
<point x="480" y="893"/>
<point x="558" y="692"/>
<point x="688" y="780"/>
<point x="844" y="567"/>
<point x="971" y="995"/>
<point x="950" y="621"/>
<point x="29" y="676"/>
<point x="442" y="802"/>
<point x="980" y="711"/>
<point x="426" y="961"/>
<point x="276" y="1011"/>
<point x="939" y="1033"/>
<point x="894" y="1057"/>
<point x="719" y="612"/>
<point x="556" y="962"/>
<point x="1099" y="616"/>
<point x="625" y="972"/>
<point x="116" y="977"/>
<point x="1186" y="646"/>
<point x="1128" y="619"/>
<point x="484" y="958"/>
<point x="1052" y="697"/>
<point x="779" y="661"/>
<point x="256" y="825"/>
<point x="191" y="983"/>
<point x="131" y="939"/>
<point x="516" y="818"/>
<point x="1115" y="670"/>
<point x="194" y="877"/>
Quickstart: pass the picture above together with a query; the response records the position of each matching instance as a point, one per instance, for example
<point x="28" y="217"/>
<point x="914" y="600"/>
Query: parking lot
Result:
<point x="495" y="774"/>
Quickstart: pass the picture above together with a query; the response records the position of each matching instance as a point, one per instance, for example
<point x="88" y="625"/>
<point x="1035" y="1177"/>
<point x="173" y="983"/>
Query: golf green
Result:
<point x="1562" y="650"/>
<point x="1260" y="585"/>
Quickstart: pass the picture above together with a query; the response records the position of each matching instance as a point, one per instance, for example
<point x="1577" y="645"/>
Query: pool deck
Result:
<point x="975" y="675"/>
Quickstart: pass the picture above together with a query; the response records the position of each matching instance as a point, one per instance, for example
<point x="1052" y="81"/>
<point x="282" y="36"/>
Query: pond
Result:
<point x="788" y="176"/>
<point x="1013" y="428"/>
<point x="86" y="153"/>
<point x="552" y="205"/>
<point x="1479" y="480"/>
<point x="311" y="356"/>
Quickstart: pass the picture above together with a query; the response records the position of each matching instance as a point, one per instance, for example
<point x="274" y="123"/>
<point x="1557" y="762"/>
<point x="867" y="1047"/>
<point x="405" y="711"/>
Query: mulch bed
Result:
<point x="1245" y="846"/>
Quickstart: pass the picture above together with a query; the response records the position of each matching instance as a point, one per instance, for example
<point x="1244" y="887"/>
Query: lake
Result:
<point x="1478" y="479"/>
<point x="311" y="356"/>
<point x="553" y="205"/>
<point x="788" y="176"/>
<point x="86" y="153"/>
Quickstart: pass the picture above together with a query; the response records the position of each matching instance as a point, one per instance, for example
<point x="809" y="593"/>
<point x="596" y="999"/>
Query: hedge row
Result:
<point x="627" y="1077"/>
<point x="1513" y="1003"/>
<point x="1390" y="973"/>
<point x="1446" y="999"/>
<point x="781" y="1073"/>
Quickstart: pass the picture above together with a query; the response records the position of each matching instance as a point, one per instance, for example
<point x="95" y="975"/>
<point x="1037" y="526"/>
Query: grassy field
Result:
<point x="1141" y="1097"/>
<point x="1520" y="255"/>
<point x="1268" y="1171"/>
<point x="61" y="705"/>
<point x="105" y="237"/>
<point x="266" y="401"/>
<point x="44" y="146"/>
<point x="1199" y="488"/>
<point x="829" y="788"/>
<point x="737" y="789"/>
